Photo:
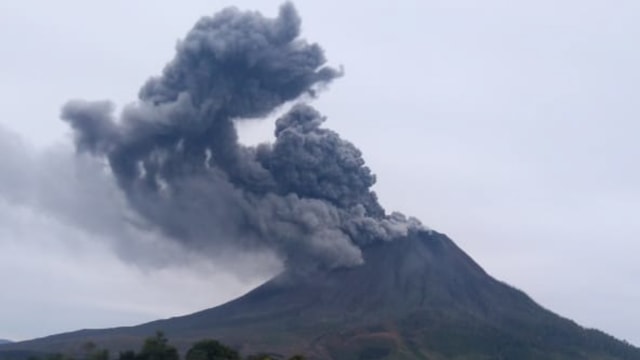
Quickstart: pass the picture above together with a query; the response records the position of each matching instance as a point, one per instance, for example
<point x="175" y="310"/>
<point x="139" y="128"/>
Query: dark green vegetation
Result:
<point x="419" y="297"/>
<point x="158" y="348"/>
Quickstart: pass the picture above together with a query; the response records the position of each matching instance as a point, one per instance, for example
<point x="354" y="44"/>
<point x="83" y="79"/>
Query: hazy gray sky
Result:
<point x="510" y="126"/>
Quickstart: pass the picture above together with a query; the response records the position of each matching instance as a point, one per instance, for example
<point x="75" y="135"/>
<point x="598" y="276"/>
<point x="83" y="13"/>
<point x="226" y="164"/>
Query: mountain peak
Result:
<point x="417" y="297"/>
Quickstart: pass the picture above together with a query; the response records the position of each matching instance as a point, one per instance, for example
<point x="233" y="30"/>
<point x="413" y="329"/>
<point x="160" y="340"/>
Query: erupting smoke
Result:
<point x="176" y="156"/>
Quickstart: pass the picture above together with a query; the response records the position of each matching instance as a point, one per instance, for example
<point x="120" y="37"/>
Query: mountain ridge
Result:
<point x="419" y="297"/>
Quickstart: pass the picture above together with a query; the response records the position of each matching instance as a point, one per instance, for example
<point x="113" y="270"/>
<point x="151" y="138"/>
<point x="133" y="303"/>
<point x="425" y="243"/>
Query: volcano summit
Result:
<point x="418" y="297"/>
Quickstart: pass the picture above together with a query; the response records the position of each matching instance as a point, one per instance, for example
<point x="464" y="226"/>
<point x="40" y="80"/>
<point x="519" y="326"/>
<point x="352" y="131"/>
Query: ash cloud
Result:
<point x="175" y="152"/>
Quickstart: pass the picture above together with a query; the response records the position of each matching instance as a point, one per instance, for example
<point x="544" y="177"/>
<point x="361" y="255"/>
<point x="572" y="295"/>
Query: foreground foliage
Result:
<point x="157" y="347"/>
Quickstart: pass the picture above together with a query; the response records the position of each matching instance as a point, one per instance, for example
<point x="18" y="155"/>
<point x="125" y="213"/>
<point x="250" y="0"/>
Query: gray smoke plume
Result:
<point x="175" y="152"/>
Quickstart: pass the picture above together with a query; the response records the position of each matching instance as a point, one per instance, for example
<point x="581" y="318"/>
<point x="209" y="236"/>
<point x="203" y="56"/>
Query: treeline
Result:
<point x="157" y="347"/>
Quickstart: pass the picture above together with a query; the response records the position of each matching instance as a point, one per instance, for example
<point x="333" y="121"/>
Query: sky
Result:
<point x="510" y="126"/>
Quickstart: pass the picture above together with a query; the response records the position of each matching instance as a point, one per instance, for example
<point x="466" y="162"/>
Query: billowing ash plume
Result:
<point x="175" y="152"/>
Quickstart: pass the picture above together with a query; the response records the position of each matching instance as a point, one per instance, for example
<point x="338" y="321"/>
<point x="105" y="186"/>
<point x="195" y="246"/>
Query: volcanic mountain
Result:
<point x="360" y="283"/>
<point x="418" y="297"/>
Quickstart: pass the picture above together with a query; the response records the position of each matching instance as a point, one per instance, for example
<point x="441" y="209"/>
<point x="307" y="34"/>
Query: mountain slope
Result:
<point x="419" y="297"/>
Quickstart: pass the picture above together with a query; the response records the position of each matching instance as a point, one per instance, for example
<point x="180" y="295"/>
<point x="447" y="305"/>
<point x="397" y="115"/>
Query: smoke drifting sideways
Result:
<point x="175" y="153"/>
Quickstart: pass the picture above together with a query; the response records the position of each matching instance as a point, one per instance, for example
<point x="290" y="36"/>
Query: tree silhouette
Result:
<point x="158" y="348"/>
<point x="211" y="350"/>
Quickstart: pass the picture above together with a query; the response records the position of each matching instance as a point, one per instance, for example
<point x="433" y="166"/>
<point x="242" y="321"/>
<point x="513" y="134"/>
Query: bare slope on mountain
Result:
<point x="414" y="298"/>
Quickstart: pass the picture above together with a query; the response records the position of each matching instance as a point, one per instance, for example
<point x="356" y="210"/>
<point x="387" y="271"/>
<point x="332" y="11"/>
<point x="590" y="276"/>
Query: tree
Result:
<point x="259" y="357"/>
<point x="92" y="352"/>
<point x="211" y="350"/>
<point x="128" y="355"/>
<point x="157" y="348"/>
<point x="268" y="357"/>
<point x="102" y="354"/>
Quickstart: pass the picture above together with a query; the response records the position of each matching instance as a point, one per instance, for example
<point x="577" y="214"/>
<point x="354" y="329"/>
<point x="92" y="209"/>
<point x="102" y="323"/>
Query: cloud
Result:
<point x="79" y="192"/>
<point x="175" y="153"/>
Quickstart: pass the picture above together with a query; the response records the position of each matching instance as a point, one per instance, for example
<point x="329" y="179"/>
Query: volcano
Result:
<point x="418" y="297"/>
<point x="359" y="282"/>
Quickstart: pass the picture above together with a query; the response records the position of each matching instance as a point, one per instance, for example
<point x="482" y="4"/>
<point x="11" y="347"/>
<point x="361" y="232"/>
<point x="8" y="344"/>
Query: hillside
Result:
<point x="419" y="297"/>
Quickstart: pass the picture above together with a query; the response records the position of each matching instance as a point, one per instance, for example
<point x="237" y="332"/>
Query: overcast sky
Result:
<point x="510" y="126"/>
